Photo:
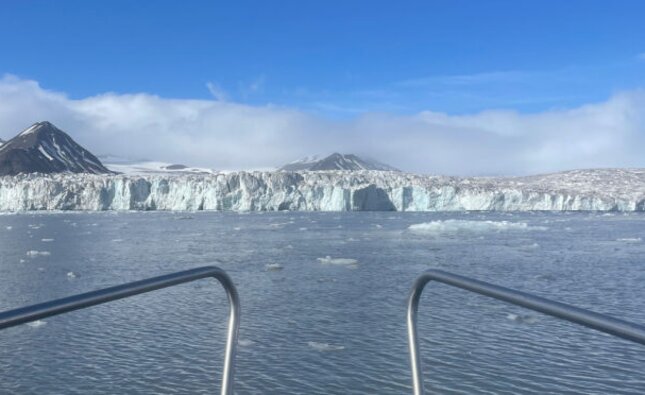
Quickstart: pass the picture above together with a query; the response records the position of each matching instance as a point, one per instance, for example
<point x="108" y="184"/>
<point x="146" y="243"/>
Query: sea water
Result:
<point x="323" y="302"/>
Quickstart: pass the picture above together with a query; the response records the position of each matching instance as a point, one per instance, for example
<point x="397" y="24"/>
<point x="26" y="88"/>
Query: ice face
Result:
<point x="604" y="189"/>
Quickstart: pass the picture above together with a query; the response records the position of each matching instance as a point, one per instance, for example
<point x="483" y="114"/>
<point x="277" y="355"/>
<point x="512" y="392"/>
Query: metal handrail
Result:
<point x="600" y="322"/>
<point x="43" y="310"/>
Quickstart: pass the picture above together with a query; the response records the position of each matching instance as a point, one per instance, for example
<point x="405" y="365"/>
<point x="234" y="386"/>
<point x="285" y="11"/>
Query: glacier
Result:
<point x="596" y="189"/>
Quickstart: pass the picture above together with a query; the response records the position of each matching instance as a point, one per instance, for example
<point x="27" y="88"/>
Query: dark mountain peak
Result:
<point x="336" y="161"/>
<point x="43" y="148"/>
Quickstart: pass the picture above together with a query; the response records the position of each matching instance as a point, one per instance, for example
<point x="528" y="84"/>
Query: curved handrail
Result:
<point x="600" y="322"/>
<point x="43" y="310"/>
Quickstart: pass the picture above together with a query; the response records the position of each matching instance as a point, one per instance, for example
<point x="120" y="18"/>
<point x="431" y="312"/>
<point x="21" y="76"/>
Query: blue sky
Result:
<point x="516" y="87"/>
<point x="335" y="57"/>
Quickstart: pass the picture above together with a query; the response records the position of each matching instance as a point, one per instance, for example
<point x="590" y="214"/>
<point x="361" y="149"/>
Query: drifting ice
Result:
<point x="338" y="261"/>
<point x="452" y="226"/>
<point x="323" y="347"/>
<point x="604" y="189"/>
<point x="37" y="323"/>
<point x="273" y="267"/>
<point x="34" y="253"/>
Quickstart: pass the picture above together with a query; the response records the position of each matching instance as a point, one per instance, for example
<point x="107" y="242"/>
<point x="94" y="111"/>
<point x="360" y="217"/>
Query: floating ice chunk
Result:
<point x="116" y="240"/>
<point x="546" y="277"/>
<point x="71" y="275"/>
<point x="273" y="267"/>
<point x="34" y="253"/>
<point x="324" y="347"/>
<point x="47" y="240"/>
<point x="37" y="323"/>
<point x="522" y="319"/>
<point x="452" y="226"/>
<point x="9" y="227"/>
<point x="338" y="261"/>
<point x="630" y="240"/>
<point x="245" y="342"/>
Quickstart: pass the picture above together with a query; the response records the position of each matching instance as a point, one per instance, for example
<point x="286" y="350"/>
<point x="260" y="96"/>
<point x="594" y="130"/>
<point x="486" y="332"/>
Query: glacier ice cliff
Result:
<point x="598" y="189"/>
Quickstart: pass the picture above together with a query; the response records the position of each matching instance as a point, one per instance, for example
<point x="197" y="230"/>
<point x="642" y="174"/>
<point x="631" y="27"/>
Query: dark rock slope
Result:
<point x="43" y="148"/>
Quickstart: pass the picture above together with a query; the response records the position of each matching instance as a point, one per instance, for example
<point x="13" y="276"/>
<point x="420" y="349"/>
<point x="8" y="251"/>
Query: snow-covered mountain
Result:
<point x="336" y="161"/>
<point x="43" y="148"/>
<point x="149" y="167"/>
<point x="600" y="189"/>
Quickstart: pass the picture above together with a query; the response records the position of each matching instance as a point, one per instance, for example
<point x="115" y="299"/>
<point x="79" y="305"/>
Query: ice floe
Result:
<point x="324" y="347"/>
<point x="452" y="226"/>
<point x="34" y="253"/>
<point x="522" y="318"/>
<point x="37" y="323"/>
<point x="338" y="261"/>
<point x="245" y="342"/>
<point x="630" y="240"/>
<point x="273" y="267"/>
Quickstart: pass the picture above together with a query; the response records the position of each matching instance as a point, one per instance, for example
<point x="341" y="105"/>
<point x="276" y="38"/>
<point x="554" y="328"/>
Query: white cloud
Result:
<point x="470" y="79"/>
<point x="225" y="135"/>
<point x="218" y="93"/>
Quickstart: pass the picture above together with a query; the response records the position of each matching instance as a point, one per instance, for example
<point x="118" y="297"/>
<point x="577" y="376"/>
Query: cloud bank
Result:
<point x="226" y="135"/>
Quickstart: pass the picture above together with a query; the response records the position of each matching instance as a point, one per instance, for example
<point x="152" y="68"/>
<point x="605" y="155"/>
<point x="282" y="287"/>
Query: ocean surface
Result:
<point x="327" y="315"/>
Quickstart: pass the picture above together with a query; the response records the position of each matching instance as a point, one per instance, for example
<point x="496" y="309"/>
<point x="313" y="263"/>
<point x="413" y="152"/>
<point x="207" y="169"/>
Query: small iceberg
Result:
<point x="36" y="324"/>
<point x="630" y="240"/>
<point x="34" y="253"/>
<point x="245" y="342"/>
<point x="71" y="275"/>
<point x="338" y="261"/>
<point x="522" y="319"/>
<point x="325" y="347"/>
<point x="46" y="240"/>
<point x="273" y="267"/>
<point x="453" y="226"/>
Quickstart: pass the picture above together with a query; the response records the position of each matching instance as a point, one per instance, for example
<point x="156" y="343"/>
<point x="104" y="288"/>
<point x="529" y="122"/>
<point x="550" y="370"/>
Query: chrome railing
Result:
<point x="600" y="322"/>
<point x="43" y="310"/>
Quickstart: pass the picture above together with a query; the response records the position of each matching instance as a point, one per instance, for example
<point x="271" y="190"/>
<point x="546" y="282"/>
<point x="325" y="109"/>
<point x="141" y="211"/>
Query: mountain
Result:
<point x="336" y="161"/>
<point x="43" y="148"/>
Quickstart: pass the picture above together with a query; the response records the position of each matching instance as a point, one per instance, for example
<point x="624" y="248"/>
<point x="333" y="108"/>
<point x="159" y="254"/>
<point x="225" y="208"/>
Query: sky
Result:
<point x="443" y="87"/>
